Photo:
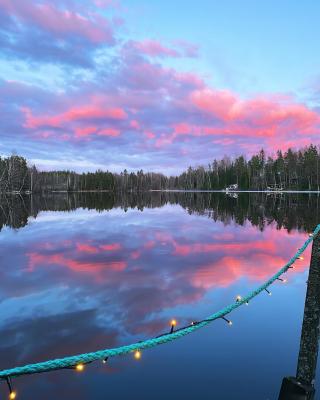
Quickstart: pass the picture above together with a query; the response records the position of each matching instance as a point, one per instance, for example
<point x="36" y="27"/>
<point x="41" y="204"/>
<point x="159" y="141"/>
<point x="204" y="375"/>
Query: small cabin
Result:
<point x="275" y="187"/>
<point x="232" y="187"/>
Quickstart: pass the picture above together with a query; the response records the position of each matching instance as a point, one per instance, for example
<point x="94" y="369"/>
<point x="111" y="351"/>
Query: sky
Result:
<point x="156" y="85"/>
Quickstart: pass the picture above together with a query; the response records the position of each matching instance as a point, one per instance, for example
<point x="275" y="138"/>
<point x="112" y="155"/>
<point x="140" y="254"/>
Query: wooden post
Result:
<point x="301" y="387"/>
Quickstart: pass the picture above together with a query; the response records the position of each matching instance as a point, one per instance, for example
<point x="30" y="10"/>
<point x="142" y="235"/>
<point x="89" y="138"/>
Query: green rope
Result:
<point x="69" y="362"/>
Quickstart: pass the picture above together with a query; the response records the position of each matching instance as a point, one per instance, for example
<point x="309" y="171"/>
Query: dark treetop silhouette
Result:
<point x="293" y="170"/>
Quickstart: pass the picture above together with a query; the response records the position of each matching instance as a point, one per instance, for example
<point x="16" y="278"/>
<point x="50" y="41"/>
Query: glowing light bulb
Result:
<point x="137" y="354"/>
<point x="239" y="298"/>
<point x="301" y="258"/>
<point x="285" y="280"/>
<point x="173" y="324"/>
<point x="310" y="234"/>
<point x="79" y="367"/>
<point x="227" y="321"/>
<point x="104" y="361"/>
<point x="13" y="395"/>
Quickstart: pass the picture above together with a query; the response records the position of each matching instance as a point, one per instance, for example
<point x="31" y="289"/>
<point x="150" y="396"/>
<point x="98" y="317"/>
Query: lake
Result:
<point x="81" y="272"/>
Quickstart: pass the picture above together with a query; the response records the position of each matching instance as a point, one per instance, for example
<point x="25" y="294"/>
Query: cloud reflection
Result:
<point x="78" y="284"/>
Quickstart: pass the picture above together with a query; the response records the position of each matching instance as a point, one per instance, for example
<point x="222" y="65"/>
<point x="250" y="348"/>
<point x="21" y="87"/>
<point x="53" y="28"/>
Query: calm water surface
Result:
<point x="84" y="272"/>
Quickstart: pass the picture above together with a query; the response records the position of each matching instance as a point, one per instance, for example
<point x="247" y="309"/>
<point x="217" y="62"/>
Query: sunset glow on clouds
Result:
<point x="80" y="90"/>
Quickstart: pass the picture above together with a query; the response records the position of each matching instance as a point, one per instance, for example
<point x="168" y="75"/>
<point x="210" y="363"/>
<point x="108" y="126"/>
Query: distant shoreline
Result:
<point x="166" y="191"/>
<point x="234" y="191"/>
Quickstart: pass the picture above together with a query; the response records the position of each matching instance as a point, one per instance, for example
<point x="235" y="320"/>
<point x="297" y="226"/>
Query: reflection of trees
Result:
<point x="289" y="211"/>
<point x="14" y="211"/>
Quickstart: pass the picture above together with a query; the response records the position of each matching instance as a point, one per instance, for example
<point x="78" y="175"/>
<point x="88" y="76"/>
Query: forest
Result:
<point x="292" y="170"/>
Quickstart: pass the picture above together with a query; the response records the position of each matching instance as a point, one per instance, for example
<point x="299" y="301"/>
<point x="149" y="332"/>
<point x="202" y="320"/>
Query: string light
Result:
<point x="173" y="325"/>
<point x="282" y="280"/>
<point x="239" y="298"/>
<point x="310" y="234"/>
<point x="137" y="354"/>
<point x="79" y="367"/>
<point x="268" y="291"/>
<point x="12" y="394"/>
<point x="227" y="320"/>
<point x="300" y="258"/>
<point x="105" y="360"/>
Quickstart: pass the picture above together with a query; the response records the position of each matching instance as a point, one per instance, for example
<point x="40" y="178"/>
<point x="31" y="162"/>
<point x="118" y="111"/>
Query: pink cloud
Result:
<point x="239" y="248"/>
<point x="134" y="124"/>
<point x="80" y="113"/>
<point x="149" y="135"/>
<point x="177" y="111"/>
<point x="135" y="254"/>
<point x="228" y="269"/>
<point x="36" y="259"/>
<point x="60" y="22"/>
<point x="88" y="130"/>
<point x="86" y="248"/>
<point x="111" y="247"/>
<point x="109" y="132"/>
<point x="266" y="114"/>
<point x="189" y="79"/>
<point x="154" y="48"/>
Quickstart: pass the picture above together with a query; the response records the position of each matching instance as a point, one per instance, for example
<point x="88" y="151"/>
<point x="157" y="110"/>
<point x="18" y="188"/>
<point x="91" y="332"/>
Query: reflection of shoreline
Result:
<point x="234" y="191"/>
<point x="289" y="211"/>
<point x="167" y="191"/>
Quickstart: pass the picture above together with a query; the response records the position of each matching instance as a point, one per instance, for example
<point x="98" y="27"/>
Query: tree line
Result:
<point x="292" y="170"/>
<point x="295" y="170"/>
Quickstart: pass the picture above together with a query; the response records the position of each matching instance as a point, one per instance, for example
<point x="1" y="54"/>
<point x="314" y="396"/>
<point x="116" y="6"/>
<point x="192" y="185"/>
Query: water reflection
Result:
<point x="290" y="211"/>
<point x="98" y="276"/>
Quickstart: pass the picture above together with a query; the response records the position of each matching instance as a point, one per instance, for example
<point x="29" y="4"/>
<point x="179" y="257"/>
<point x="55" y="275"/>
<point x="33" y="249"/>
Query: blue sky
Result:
<point x="248" y="46"/>
<point x="156" y="85"/>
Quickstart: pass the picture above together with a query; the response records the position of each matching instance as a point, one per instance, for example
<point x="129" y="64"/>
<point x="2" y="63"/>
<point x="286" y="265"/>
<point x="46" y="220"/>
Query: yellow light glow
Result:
<point x="239" y="298"/>
<point x="12" y="395"/>
<point x="173" y="322"/>
<point x="80" y="367"/>
<point x="137" y="354"/>
<point x="301" y="258"/>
